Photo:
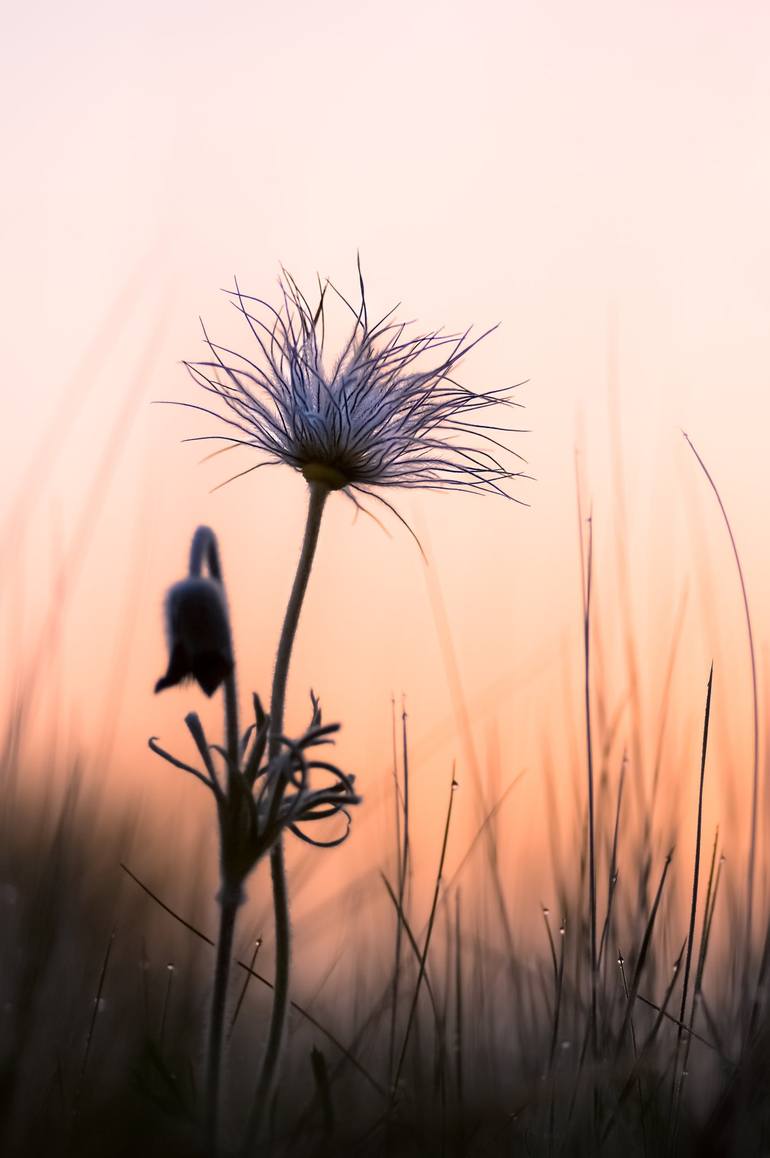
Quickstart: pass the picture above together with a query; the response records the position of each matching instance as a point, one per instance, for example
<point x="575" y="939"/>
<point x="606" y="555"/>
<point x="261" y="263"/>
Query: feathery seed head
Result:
<point x="388" y="413"/>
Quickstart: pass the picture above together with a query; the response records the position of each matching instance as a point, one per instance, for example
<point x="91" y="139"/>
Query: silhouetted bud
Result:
<point x="198" y="629"/>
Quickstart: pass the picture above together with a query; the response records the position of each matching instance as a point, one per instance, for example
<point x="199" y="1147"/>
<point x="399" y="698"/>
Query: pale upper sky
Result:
<point x="593" y="177"/>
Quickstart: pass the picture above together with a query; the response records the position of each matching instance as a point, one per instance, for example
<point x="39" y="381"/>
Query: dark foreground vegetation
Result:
<point x="449" y="1042"/>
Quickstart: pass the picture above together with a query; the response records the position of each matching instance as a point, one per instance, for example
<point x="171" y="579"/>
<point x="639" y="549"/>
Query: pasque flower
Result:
<point x="386" y="413"/>
<point x="267" y="784"/>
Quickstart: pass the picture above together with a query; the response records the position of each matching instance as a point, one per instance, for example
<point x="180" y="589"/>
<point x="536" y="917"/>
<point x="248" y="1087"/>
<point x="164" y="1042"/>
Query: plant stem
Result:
<point x="205" y="548"/>
<point x="318" y="495"/>
<point x="229" y="903"/>
<point x="230" y="898"/>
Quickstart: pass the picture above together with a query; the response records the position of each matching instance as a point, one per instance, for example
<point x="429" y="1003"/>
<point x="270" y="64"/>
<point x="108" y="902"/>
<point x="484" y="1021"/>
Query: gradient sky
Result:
<point x="593" y="177"/>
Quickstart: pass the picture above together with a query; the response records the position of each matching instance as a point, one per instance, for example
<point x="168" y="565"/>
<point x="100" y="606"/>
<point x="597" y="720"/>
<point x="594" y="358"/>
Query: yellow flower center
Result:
<point x="319" y="472"/>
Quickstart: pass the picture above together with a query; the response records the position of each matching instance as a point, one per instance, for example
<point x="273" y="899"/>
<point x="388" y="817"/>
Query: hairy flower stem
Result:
<point x="318" y="494"/>
<point x="228" y="910"/>
<point x="204" y="546"/>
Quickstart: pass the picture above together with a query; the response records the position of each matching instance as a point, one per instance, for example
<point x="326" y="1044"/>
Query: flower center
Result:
<point x="319" y="472"/>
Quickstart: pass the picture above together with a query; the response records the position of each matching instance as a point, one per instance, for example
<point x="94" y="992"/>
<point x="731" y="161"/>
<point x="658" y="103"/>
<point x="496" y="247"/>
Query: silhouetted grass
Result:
<point x="102" y="1040"/>
<point x="633" y="1027"/>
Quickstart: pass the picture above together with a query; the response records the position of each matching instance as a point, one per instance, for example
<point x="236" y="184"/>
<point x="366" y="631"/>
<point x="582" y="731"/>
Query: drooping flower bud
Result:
<point x="198" y="630"/>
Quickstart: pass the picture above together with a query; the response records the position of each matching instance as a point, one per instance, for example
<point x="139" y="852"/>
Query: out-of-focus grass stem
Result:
<point x="678" y="1077"/>
<point x="586" y="558"/>
<point x="459" y="1016"/>
<point x="428" y="935"/>
<point x="751" y="872"/>
<point x="642" y="957"/>
<point x="402" y="855"/>
<point x="244" y="989"/>
<point x="613" y="870"/>
<point x="636" y="1071"/>
<point x="701" y="965"/>
<point x="92" y="1025"/>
